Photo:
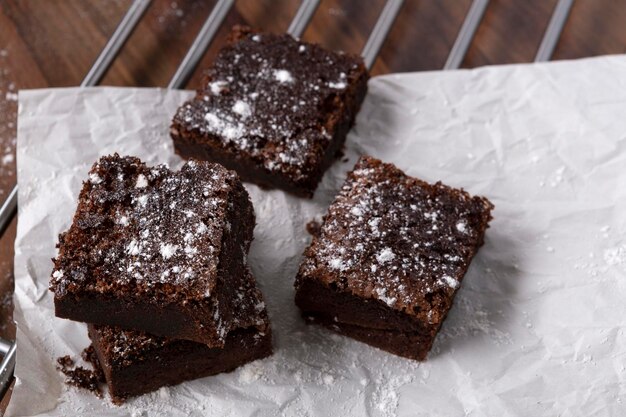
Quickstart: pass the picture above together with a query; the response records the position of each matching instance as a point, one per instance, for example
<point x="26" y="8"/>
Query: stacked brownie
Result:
<point x="154" y="261"/>
<point x="275" y="109"/>
<point x="390" y="257"/>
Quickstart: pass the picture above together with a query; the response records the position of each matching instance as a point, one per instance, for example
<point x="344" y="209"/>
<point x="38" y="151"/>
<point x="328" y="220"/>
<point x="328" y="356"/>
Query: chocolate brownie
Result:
<point x="155" y="250"/>
<point x="273" y="108"/>
<point x="135" y="362"/>
<point x="390" y="257"/>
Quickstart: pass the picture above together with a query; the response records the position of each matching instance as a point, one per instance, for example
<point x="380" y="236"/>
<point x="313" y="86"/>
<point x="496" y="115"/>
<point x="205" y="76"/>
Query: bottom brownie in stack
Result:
<point x="135" y="362"/>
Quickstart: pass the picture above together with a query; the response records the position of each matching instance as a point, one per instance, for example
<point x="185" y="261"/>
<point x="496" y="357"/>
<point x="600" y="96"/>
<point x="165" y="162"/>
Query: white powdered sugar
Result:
<point x="133" y="248"/>
<point x="338" y="264"/>
<point x="449" y="281"/>
<point x="251" y="372"/>
<point x="167" y="250"/>
<point x="94" y="178"/>
<point x="142" y="200"/>
<point x="385" y="255"/>
<point x="242" y="108"/>
<point x="356" y="211"/>
<point x="142" y="182"/>
<point x="338" y="86"/>
<point x="190" y="250"/>
<point x="223" y="126"/>
<point x="382" y="296"/>
<point x="615" y="256"/>
<point x="283" y="76"/>
<point x="216" y="87"/>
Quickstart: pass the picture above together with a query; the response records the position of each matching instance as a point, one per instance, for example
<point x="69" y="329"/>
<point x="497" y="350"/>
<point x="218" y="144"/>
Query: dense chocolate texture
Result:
<point x="135" y="363"/>
<point x="390" y="257"/>
<point x="275" y="109"/>
<point x="156" y="250"/>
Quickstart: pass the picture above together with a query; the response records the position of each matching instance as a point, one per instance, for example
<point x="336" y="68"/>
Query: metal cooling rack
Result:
<point x="296" y="29"/>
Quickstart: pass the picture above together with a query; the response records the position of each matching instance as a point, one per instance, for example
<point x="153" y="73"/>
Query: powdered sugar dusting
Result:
<point x="265" y="100"/>
<point x="283" y="76"/>
<point x="382" y="295"/>
<point x="242" y="108"/>
<point x="216" y="87"/>
<point x="449" y="281"/>
<point x="95" y="178"/>
<point x="142" y="182"/>
<point x="615" y="255"/>
<point x="168" y="250"/>
<point x="397" y="239"/>
<point x="385" y="255"/>
<point x="166" y="210"/>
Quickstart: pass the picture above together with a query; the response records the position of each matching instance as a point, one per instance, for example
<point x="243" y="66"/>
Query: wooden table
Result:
<point x="53" y="43"/>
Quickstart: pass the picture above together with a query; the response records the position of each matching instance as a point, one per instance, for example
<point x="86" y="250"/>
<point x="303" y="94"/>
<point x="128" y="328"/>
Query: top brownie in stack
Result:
<point x="155" y="250"/>
<point x="275" y="109"/>
<point x="390" y="257"/>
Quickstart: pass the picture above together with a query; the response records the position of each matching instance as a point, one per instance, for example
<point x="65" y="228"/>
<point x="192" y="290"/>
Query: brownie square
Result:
<point x="390" y="256"/>
<point x="135" y="363"/>
<point x="273" y="108"/>
<point x="155" y="250"/>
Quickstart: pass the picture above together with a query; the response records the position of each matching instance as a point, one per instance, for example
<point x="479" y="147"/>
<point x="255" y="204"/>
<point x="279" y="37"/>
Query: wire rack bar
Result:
<point x="303" y="17"/>
<point x="466" y="34"/>
<point x="115" y="43"/>
<point x="201" y="43"/>
<point x="380" y="31"/>
<point x="8" y="209"/>
<point x="553" y="32"/>
<point x="7" y="366"/>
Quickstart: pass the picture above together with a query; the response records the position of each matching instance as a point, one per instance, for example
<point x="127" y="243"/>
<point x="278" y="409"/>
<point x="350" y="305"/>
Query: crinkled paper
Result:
<point x="537" y="328"/>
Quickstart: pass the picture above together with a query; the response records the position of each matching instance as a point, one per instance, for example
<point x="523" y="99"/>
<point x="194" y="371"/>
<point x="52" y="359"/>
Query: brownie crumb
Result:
<point x="314" y="228"/>
<point x="65" y="362"/>
<point x="79" y="376"/>
<point x="89" y="355"/>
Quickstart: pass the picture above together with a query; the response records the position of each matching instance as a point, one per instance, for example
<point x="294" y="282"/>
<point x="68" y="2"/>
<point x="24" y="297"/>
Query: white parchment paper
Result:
<point x="538" y="325"/>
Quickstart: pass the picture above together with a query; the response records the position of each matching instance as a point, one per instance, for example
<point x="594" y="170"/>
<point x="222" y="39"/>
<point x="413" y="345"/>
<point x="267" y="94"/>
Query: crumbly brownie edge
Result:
<point x="232" y="271"/>
<point x="181" y="361"/>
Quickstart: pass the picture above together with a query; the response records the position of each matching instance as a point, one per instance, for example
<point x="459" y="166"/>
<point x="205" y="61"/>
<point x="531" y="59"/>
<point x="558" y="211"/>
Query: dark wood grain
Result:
<point x="53" y="43"/>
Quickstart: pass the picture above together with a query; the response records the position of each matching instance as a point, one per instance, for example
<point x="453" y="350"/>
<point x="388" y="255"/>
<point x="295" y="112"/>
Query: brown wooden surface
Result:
<point x="53" y="43"/>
